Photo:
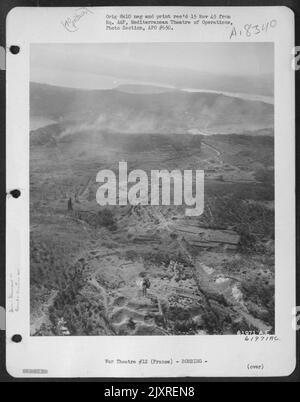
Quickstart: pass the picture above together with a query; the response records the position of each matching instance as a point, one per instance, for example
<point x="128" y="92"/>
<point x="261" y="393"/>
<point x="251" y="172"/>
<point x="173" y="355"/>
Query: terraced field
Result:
<point x="212" y="274"/>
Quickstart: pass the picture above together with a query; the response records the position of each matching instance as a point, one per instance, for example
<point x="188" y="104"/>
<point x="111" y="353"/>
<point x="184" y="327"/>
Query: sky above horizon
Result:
<point x="107" y="65"/>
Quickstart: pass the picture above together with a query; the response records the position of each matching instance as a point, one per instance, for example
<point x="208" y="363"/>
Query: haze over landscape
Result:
<point x="156" y="87"/>
<point x="205" y="106"/>
<point x="177" y="65"/>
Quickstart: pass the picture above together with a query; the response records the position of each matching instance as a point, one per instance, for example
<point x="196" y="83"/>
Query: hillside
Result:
<point x="170" y="112"/>
<point x="212" y="274"/>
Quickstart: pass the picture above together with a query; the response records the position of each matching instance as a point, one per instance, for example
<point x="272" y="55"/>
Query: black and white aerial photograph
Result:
<point x="152" y="189"/>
